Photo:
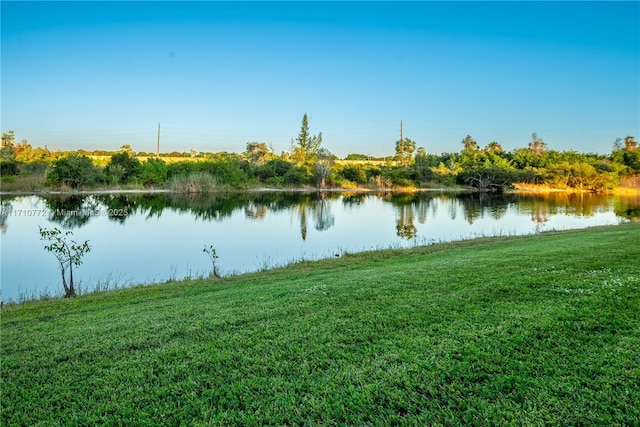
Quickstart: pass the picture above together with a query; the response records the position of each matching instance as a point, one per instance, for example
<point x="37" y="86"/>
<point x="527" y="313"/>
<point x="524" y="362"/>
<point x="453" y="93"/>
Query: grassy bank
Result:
<point x="537" y="330"/>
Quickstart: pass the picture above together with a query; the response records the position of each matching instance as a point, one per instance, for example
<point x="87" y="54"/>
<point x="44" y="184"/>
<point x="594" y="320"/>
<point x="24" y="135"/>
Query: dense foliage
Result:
<point x="75" y="171"/>
<point x="308" y="164"/>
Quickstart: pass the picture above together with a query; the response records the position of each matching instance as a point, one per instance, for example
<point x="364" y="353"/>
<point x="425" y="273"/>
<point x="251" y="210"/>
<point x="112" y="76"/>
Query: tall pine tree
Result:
<point x="307" y="146"/>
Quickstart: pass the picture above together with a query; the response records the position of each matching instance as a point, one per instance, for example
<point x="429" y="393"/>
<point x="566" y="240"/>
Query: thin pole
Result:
<point x="401" y="131"/>
<point x="158" y="147"/>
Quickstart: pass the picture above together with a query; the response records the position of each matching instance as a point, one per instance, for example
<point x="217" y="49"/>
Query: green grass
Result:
<point x="538" y="330"/>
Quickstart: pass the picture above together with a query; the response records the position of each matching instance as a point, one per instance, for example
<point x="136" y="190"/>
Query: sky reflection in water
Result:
<point x="138" y="238"/>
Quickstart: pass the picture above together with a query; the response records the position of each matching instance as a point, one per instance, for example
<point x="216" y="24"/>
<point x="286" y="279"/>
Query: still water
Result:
<point x="149" y="238"/>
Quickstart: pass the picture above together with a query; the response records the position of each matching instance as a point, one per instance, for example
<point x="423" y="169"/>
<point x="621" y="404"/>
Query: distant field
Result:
<point x="526" y="331"/>
<point x="364" y="162"/>
<point x="103" y="160"/>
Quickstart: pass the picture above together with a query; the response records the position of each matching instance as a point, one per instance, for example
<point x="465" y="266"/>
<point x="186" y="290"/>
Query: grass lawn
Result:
<point x="537" y="330"/>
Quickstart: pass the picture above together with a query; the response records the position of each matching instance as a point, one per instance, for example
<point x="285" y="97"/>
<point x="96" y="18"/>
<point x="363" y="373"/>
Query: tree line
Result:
<point x="308" y="163"/>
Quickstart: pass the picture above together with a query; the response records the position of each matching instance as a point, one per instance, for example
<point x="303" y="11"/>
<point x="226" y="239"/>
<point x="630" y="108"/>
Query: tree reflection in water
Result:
<point x="76" y="210"/>
<point x="72" y="211"/>
<point x="276" y="226"/>
<point x="5" y="210"/>
<point x="316" y="206"/>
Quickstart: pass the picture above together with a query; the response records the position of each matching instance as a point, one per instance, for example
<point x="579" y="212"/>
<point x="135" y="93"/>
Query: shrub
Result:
<point x="75" y="171"/>
<point x="273" y="169"/>
<point x="226" y="171"/>
<point x="354" y="174"/>
<point x="401" y="177"/>
<point x="122" y="167"/>
<point x="297" y="175"/>
<point x="632" y="159"/>
<point x="8" y="167"/>
<point x="275" y="181"/>
<point x="153" y="172"/>
<point x="180" y="169"/>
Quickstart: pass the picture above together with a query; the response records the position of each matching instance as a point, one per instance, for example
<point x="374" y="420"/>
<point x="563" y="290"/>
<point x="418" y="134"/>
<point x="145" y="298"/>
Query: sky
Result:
<point x="217" y="75"/>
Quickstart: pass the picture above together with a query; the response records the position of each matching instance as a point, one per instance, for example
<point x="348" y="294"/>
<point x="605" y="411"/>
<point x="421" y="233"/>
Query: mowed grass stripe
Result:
<point x="532" y="330"/>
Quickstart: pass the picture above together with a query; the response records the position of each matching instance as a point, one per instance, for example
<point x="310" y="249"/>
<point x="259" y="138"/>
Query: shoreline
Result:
<point x="621" y="191"/>
<point x="242" y="190"/>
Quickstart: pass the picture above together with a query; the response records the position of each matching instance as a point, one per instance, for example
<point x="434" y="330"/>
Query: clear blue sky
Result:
<point x="218" y="75"/>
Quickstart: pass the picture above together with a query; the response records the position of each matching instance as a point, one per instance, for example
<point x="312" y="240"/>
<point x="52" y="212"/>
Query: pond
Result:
<point x="155" y="237"/>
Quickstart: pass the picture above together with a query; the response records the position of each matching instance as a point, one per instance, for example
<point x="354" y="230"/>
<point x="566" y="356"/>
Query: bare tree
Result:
<point x="213" y="256"/>
<point x="323" y="166"/>
<point x="537" y="145"/>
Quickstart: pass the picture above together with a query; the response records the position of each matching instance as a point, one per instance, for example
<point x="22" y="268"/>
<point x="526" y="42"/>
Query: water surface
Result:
<point x="146" y="238"/>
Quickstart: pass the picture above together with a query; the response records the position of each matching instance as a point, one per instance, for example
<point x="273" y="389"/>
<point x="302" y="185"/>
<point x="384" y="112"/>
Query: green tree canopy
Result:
<point x="8" y="140"/>
<point x="153" y="172"/>
<point x="404" y="151"/>
<point x="123" y="167"/>
<point x="74" y="170"/>
<point x="8" y="164"/>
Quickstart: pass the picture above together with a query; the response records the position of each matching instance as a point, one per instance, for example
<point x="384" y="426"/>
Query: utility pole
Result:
<point x="158" y="147"/>
<point x="400" y="131"/>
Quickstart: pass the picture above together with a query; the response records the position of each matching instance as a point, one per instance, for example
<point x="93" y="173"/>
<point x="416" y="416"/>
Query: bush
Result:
<point x="226" y="171"/>
<point x="580" y="176"/>
<point x="275" y="181"/>
<point x="122" y="167"/>
<point x="275" y="168"/>
<point x="632" y="159"/>
<point x="354" y="174"/>
<point x="297" y="175"/>
<point x="180" y="169"/>
<point x="401" y="177"/>
<point x="75" y="171"/>
<point x="8" y="167"/>
<point x="153" y="172"/>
